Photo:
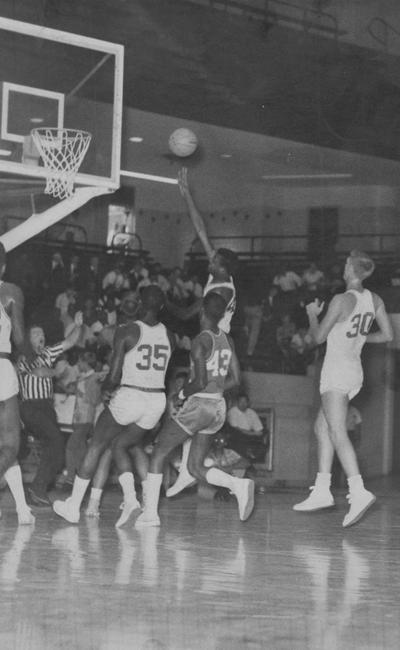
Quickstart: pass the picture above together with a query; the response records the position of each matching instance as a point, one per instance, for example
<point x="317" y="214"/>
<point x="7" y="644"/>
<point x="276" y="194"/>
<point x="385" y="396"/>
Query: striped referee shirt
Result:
<point x="32" y="387"/>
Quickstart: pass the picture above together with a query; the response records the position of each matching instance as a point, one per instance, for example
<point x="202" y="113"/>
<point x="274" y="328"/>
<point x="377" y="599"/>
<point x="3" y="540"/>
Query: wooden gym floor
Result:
<point x="204" y="580"/>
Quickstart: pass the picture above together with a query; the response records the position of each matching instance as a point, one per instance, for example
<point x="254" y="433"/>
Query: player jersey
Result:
<point x="225" y="322"/>
<point x="346" y="338"/>
<point x="5" y="330"/>
<point x="145" y="365"/>
<point x="217" y="363"/>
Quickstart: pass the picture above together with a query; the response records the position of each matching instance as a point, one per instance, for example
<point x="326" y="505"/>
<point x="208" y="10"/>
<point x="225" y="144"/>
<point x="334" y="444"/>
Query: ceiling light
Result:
<point x="136" y="138"/>
<point x="36" y="120"/>
<point x="5" y="152"/>
<point x="275" y="177"/>
<point x="226" y="155"/>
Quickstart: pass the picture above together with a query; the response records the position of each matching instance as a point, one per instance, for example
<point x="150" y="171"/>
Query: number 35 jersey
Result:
<point x="217" y="363"/>
<point x="145" y="365"/>
<point x="342" y="368"/>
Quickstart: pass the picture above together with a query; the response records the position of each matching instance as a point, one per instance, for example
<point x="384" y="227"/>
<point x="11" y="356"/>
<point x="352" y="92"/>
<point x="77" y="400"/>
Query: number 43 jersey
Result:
<point x="217" y="363"/>
<point x="342" y="368"/>
<point x="145" y="365"/>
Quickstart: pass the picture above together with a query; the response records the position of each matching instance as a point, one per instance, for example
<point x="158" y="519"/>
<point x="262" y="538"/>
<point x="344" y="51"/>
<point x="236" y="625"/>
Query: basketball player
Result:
<point x="214" y="369"/>
<point x="346" y="327"/>
<point x="221" y="266"/>
<point x="136" y="386"/>
<point x="11" y="325"/>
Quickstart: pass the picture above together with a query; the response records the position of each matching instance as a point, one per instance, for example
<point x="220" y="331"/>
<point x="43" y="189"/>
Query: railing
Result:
<point x="380" y="30"/>
<point x="275" y="246"/>
<point x="273" y="12"/>
<point x="55" y="237"/>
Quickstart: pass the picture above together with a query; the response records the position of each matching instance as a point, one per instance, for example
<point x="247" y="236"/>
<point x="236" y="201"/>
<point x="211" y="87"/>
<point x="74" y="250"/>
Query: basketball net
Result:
<point x="62" y="152"/>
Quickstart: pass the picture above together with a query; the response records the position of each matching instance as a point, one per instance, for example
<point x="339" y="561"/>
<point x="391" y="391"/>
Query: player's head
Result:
<point x="2" y="259"/>
<point x="213" y="308"/>
<point x="152" y="299"/>
<point x="223" y="260"/>
<point x="359" y="264"/>
<point x="129" y="304"/>
<point x="242" y="401"/>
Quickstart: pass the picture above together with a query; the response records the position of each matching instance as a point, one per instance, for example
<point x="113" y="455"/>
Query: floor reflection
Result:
<point x="202" y="581"/>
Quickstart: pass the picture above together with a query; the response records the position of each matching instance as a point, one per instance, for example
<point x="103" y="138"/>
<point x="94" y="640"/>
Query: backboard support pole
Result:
<point x="36" y="223"/>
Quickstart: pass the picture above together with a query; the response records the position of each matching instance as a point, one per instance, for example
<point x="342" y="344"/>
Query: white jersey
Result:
<point x="5" y="329"/>
<point x="225" y="322"/>
<point x="145" y="365"/>
<point x="342" y="369"/>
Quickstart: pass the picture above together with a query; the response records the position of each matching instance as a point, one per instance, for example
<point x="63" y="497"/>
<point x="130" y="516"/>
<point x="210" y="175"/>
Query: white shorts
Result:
<point x="8" y="380"/>
<point x="342" y="377"/>
<point x="132" y="406"/>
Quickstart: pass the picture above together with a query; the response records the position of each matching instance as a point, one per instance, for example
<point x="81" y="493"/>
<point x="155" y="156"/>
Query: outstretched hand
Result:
<point x="183" y="182"/>
<point x="314" y="308"/>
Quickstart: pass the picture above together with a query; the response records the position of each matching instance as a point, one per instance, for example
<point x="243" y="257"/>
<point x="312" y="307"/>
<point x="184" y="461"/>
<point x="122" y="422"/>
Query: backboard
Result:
<point x="52" y="78"/>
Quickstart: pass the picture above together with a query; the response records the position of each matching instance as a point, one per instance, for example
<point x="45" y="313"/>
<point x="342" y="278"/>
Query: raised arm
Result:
<point x="195" y="215"/>
<point x="385" y="333"/>
<point x="17" y="317"/>
<point x="73" y="338"/>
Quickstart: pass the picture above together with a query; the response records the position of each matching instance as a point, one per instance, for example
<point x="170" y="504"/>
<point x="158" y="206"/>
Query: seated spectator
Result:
<point x="93" y="273"/>
<point x="313" y="280"/>
<point x="57" y="276"/>
<point x="138" y="272"/>
<point x="110" y="310"/>
<point x="302" y="351"/>
<point x="64" y="302"/>
<point x="192" y="286"/>
<point x="245" y="429"/>
<point x="87" y="390"/>
<point x="160" y="278"/>
<point x="287" y="280"/>
<point x="36" y="372"/>
<point x="74" y="272"/>
<point x="116" y="278"/>
<point x="177" y="291"/>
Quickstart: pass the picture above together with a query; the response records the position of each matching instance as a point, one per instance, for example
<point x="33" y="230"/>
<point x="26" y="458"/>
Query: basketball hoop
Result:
<point x="62" y="151"/>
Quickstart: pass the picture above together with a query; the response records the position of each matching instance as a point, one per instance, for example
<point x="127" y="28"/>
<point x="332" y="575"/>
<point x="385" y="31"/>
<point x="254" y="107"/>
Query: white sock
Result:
<point x="216" y="476"/>
<point x="355" y="483"/>
<point x="13" y="477"/>
<point x="78" y="491"/>
<point x="323" y="480"/>
<point x="95" y="494"/>
<point x="152" y="493"/>
<point x="185" y="455"/>
<point x="128" y="486"/>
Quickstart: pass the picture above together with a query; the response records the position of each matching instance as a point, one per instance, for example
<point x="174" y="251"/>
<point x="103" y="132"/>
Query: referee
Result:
<point x="35" y="372"/>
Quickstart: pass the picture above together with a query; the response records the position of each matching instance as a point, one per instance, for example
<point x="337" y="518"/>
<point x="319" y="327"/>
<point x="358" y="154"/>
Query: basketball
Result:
<point x="183" y="142"/>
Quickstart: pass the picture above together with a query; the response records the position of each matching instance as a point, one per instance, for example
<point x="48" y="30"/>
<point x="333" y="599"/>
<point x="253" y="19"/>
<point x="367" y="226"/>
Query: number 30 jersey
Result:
<point x="145" y="365"/>
<point x="217" y="363"/>
<point x="346" y="338"/>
